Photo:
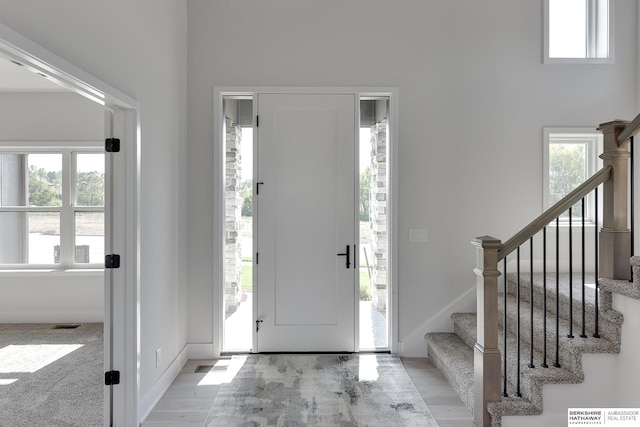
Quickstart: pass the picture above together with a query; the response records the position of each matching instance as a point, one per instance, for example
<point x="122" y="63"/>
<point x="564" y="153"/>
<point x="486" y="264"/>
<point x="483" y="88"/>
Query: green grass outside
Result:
<point x="247" y="278"/>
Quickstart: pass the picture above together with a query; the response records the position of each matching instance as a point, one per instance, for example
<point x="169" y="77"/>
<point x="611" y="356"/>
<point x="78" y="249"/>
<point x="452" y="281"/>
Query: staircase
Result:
<point x="453" y="352"/>
<point x="532" y="328"/>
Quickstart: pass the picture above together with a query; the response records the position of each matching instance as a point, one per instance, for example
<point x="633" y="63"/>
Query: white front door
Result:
<point x="306" y="223"/>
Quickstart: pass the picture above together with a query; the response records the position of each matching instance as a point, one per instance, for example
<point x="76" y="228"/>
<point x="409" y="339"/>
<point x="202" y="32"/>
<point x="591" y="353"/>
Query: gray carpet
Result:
<point x="319" y="390"/>
<point x="51" y="377"/>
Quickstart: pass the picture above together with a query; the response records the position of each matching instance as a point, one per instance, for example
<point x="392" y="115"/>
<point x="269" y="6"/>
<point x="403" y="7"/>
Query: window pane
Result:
<point x="89" y="229"/>
<point x="13" y="237"/>
<point x="567" y="28"/>
<point x="567" y="170"/>
<point x="44" y="238"/>
<point x="45" y="179"/>
<point x="374" y="226"/>
<point x="90" y="179"/>
<point x="238" y="261"/>
<point x="13" y="189"/>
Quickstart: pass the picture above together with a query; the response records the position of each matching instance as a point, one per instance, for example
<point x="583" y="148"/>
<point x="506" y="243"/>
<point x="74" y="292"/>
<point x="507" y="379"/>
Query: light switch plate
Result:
<point x="418" y="235"/>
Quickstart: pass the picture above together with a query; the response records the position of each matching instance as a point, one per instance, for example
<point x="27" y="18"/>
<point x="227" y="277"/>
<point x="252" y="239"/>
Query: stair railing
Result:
<point x="612" y="252"/>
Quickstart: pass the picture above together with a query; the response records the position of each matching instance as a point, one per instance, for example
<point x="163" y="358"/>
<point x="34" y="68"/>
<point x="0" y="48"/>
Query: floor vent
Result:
<point x="65" y="326"/>
<point x="203" y="368"/>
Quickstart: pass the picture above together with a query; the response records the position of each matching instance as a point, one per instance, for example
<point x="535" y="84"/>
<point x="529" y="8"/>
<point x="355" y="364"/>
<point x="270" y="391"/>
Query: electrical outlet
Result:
<point x="159" y="357"/>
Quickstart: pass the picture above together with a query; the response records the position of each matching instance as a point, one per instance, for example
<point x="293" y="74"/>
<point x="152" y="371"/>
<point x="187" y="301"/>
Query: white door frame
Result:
<point x="121" y="217"/>
<point x="218" y="194"/>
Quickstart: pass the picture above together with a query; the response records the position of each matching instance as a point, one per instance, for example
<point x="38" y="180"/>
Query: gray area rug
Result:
<point x="319" y="390"/>
<point x="51" y="377"/>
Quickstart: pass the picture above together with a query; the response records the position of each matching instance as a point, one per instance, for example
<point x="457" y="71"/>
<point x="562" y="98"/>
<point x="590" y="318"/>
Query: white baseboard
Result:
<point x="200" y="351"/>
<point x="414" y="345"/>
<point x="148" y="402"/>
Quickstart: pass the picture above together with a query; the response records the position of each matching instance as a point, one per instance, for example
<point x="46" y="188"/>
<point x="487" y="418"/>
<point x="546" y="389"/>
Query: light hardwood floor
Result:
<point x="185" y="404"/>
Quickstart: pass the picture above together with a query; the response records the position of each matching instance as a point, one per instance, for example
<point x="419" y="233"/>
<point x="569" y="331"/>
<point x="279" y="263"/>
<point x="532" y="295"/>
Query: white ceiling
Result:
<point x="16" y="78"/>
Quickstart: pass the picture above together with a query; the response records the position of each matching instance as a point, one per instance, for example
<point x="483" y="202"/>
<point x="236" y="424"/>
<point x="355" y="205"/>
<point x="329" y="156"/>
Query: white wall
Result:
<point x="52" y="116"/>
<point x="51" y="297"/>
<point x="474" y="98"/>
<point x="39" y="296"/>
<point x="138" y="47"/>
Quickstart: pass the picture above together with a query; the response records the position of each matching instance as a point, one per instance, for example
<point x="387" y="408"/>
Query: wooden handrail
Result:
<point x="554" y="211"/>
<point x="630" y="130"/>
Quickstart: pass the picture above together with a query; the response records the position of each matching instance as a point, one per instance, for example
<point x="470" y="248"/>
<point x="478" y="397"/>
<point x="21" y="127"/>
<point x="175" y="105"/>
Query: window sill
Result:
<point x="33" y="272"/>
<point x="579" y="61"/>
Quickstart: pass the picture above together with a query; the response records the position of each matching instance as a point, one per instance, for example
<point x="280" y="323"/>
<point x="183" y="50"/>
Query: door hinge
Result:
<point x="112" y="378"/>
<point x="112" y="261"/>
<point x="112" y="145"/>
<point x="257" y="121"/>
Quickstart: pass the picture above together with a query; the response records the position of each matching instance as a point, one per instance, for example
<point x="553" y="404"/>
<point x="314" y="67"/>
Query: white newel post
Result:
<point x="615" y="235"/>
<point x="486" y="361"/>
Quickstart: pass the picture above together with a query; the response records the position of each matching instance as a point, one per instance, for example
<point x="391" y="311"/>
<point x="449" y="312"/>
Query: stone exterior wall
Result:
<point x="233" y="212"/>
<point x="378" y="215"/>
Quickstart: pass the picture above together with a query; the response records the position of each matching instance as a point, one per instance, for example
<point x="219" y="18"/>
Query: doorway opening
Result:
<point x="374" y="225"/>
<point x="372" y="261"/>
<point x="52" y="222"/>
<point x="238" y="223"/>
<point x="121" y="223"/>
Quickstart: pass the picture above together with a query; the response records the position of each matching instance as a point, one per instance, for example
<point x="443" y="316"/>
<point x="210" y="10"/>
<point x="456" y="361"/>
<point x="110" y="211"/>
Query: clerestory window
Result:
<point x="52" y="207"/>
<point x="578" y="31"/>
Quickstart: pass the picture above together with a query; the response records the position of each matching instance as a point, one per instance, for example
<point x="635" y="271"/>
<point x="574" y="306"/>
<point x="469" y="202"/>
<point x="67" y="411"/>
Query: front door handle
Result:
<point x="348" y="255"/>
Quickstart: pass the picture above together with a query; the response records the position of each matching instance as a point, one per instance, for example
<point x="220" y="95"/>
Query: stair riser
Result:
<point x="455" y="360"/>
<point x="469" y="337"/>
<point x="570" y="349"/>
<point x="608" y="320"/>
<point x="569" y="356"/>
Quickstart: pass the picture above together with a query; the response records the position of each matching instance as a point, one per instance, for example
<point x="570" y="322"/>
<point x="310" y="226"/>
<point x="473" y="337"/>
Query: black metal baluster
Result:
<point x="531" y="365"/>
<point x="504" y="331"/>
<point x="597" y="326"/>
<point x="544" y="298"/>
<point x="570" y="335"/>
<point x="557" y="362"/>
<point x="583" y="334"/>
<point x="631" y="200"/>
<point x="518" y="394"/>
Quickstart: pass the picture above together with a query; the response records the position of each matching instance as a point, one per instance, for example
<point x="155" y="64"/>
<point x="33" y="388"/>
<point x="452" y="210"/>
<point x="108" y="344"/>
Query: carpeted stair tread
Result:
<point x="454" y="358"/>
<point x="532" y="378"/>
<point x="624" y="287"/>
<point x="510" y="406"/>
<point x="571" y="349"/>
<point x="464" y="325"/>
<point x="609" y="317"/>
<point x="447" y="350"/>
